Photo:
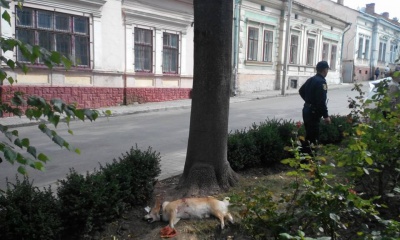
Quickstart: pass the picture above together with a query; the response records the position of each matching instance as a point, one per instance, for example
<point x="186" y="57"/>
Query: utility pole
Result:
<point x="285" y="57"/>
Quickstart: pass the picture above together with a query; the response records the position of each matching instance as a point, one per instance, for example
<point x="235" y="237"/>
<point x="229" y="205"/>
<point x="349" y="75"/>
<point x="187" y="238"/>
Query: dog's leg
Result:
<point x="173" y="220"/>
<point x="220" y="216"/>
<point x="230" y="218"/>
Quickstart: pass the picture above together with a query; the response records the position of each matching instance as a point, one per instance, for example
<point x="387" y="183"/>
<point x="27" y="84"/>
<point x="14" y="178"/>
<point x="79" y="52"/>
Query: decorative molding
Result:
<point x="158" y="16"/>
<point x="83" y="6"/>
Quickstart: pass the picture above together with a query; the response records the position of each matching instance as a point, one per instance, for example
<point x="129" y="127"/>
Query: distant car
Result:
<point x="373" y="86"/>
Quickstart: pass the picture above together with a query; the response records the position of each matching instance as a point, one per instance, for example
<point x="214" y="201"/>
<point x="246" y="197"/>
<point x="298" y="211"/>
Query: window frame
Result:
<point x="174" y="51"/>
<point x="253" y="44"/>
<point x="268" y="46"/>
<point x="360" y="48"/>
<point x="53" y="32"/>
<point x="333" y="56"/>
<point x="366" y="48"/>
<point x="294" y="55"/>
<point x="310" y="58"/>
<point x="143" y="46"/>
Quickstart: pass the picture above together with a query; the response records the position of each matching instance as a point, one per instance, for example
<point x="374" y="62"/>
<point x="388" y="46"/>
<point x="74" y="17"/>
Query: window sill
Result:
<point x="257" y="63"/>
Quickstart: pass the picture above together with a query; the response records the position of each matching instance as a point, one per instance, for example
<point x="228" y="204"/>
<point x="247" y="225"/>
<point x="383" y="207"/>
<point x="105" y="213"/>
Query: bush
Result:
<point x="336" y="131"/>
<point x="135" y="173"/>
<point x="261" y="145"/>
<point x="88" y="202"/>
<point x="28" y="213"/>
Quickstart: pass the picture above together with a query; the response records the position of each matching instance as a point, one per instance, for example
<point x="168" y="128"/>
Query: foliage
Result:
<point x="325" y="204"/>
<point x="88" y="202"/>
<point x="36" y="107"/>
<point x="263" y="144"/>
<point x="134" y="172"/>
<point x="29" y="213"/>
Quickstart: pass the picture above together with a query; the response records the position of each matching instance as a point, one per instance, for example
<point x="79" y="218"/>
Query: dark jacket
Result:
<point x="314" y="92"/>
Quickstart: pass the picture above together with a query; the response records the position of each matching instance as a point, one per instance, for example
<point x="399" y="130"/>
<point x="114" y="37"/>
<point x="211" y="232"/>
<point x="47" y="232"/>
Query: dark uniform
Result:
<point x="314" y="93"/>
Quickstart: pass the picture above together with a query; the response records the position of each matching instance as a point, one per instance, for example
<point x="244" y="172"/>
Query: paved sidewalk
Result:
<point x="168" y="105"/>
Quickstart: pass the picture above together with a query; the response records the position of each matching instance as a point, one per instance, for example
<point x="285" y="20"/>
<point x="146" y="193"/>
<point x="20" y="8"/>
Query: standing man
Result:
<point x="377" y="73"/>
<point x="314" y="93"/>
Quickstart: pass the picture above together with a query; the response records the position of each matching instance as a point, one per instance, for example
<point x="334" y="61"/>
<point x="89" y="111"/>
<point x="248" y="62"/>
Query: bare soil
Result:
<point x="132" y="225"/>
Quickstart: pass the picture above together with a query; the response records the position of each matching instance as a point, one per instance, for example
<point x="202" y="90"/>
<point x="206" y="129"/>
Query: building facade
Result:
<point x="127" y="51"/>
<point x="121" y="51"/>
<point x="272" y="57"/>
<point x="376" y="43"/>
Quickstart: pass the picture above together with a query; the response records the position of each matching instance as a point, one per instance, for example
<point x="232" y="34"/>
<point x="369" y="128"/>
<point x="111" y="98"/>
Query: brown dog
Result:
<point x="187" y="208"/>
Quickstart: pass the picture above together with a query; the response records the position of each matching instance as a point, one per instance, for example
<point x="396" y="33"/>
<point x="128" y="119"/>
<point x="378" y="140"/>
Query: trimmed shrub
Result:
<point x="135" y="172"/>
<point x="26" y="212"/>
<point x="336" y="131"/>
<point x="88" y="202"/>
<point x="242" y="150"/>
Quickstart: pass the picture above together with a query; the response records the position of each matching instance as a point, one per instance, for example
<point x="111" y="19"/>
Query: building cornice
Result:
<point x="87" y="6"/>
<point x="145" y="13"/>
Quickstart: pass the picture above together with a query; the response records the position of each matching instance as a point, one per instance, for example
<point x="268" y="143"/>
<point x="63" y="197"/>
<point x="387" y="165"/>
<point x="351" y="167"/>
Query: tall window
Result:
<point x="360" y="47"/>
<point x="252" y="44"/>
<point x="310" y="51"/>
<point x="294" y="43"/>
<point x="333" y="57"/>
<point x="143" y="50"/>
<point x="392" y="52"/>
<point x="325" y="51"/>
<point x="268" y="43"/>
<point x="65" y="33"/>
<point x="366" y="51"/>
<point x="170" y="52"/>
<point x="382" y="52"/>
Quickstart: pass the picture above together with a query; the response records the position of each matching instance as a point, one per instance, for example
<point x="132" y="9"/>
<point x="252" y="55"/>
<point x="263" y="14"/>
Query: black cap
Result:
<point x="322" y="65"/>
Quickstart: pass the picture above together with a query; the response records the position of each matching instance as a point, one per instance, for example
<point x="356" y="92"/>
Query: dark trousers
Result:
<point x="311" y="123"/>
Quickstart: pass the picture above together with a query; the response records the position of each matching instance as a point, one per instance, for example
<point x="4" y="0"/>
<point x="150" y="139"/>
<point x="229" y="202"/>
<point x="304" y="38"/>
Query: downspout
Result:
<point x="124" y="75"/>
<point x="285" y="57"/>
<point x="236" y="32"/>
<point x="341" y="52"/>
<point x="373" y="49"/>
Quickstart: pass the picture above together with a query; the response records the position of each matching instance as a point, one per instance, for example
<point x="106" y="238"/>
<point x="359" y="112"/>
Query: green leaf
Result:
<point x="42" y="157"/>
<point x="369" y="160"/>
<point x="10" y="155"/>
<point x="22" y="170"/>
<point x="11" y="64"/>
<point x="70" y="132"/>
<point x="57" y="105"/>
<point x="58" y="140"/>
<point x="79" y="113"/>
<point x="32" y="151"/>
<point x="5" y="4"/>
<point x="6" y="17"/>
<point x="18" y="142"/>
<point x="55" y="57"/>
<point x="67" y="63"/>
<point x="21" y="159"/>
<point x="39" y="166"/>
<point x="25" y="142"/>
<point x="78" y="151"/>
<point x="91" y="114"/>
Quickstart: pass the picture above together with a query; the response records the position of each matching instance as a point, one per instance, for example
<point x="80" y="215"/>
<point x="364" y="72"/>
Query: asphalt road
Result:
<point x="165" y="131"/>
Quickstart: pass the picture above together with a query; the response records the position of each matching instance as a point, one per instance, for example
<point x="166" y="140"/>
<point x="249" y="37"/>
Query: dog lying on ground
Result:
<point x="187" y="208"/>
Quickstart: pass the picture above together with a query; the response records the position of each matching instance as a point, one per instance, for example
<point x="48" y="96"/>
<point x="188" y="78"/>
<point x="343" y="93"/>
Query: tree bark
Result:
<point x="207" y="169"/>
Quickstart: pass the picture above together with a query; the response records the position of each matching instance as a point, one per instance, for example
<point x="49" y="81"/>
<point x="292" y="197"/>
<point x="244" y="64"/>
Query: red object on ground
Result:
<point x="168" y="232"/>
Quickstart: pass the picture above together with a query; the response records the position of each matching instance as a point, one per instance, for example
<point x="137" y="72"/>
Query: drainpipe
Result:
<point x="124" y="75"/>
<point x="373" y="49"/>
<point x="285" y="58"/>
<point x="236" y="32"/>
<point x="341" y="52"/>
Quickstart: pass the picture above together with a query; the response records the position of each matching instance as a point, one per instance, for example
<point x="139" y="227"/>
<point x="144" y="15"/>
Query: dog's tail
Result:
<point x="226" y="201"/>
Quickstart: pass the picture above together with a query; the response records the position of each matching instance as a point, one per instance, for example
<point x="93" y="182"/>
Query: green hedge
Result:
<point x="263" y="144"/>
<point x="85" y="203"/>
<point x="26" y="212"/>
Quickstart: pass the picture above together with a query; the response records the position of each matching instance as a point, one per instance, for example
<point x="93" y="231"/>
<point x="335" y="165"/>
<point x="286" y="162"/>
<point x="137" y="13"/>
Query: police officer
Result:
<point x="314" y="93"/>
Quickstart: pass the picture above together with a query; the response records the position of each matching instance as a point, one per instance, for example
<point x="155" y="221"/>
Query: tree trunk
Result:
<point x="206" y="167"/>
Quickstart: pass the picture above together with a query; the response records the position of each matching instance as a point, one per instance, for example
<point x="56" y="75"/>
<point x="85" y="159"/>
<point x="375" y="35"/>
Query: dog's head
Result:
<point x="154" y="214"/>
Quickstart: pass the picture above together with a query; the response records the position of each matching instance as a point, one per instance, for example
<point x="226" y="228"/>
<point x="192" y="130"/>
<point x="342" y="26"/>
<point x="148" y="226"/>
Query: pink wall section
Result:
<point x="96" y="97"/>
